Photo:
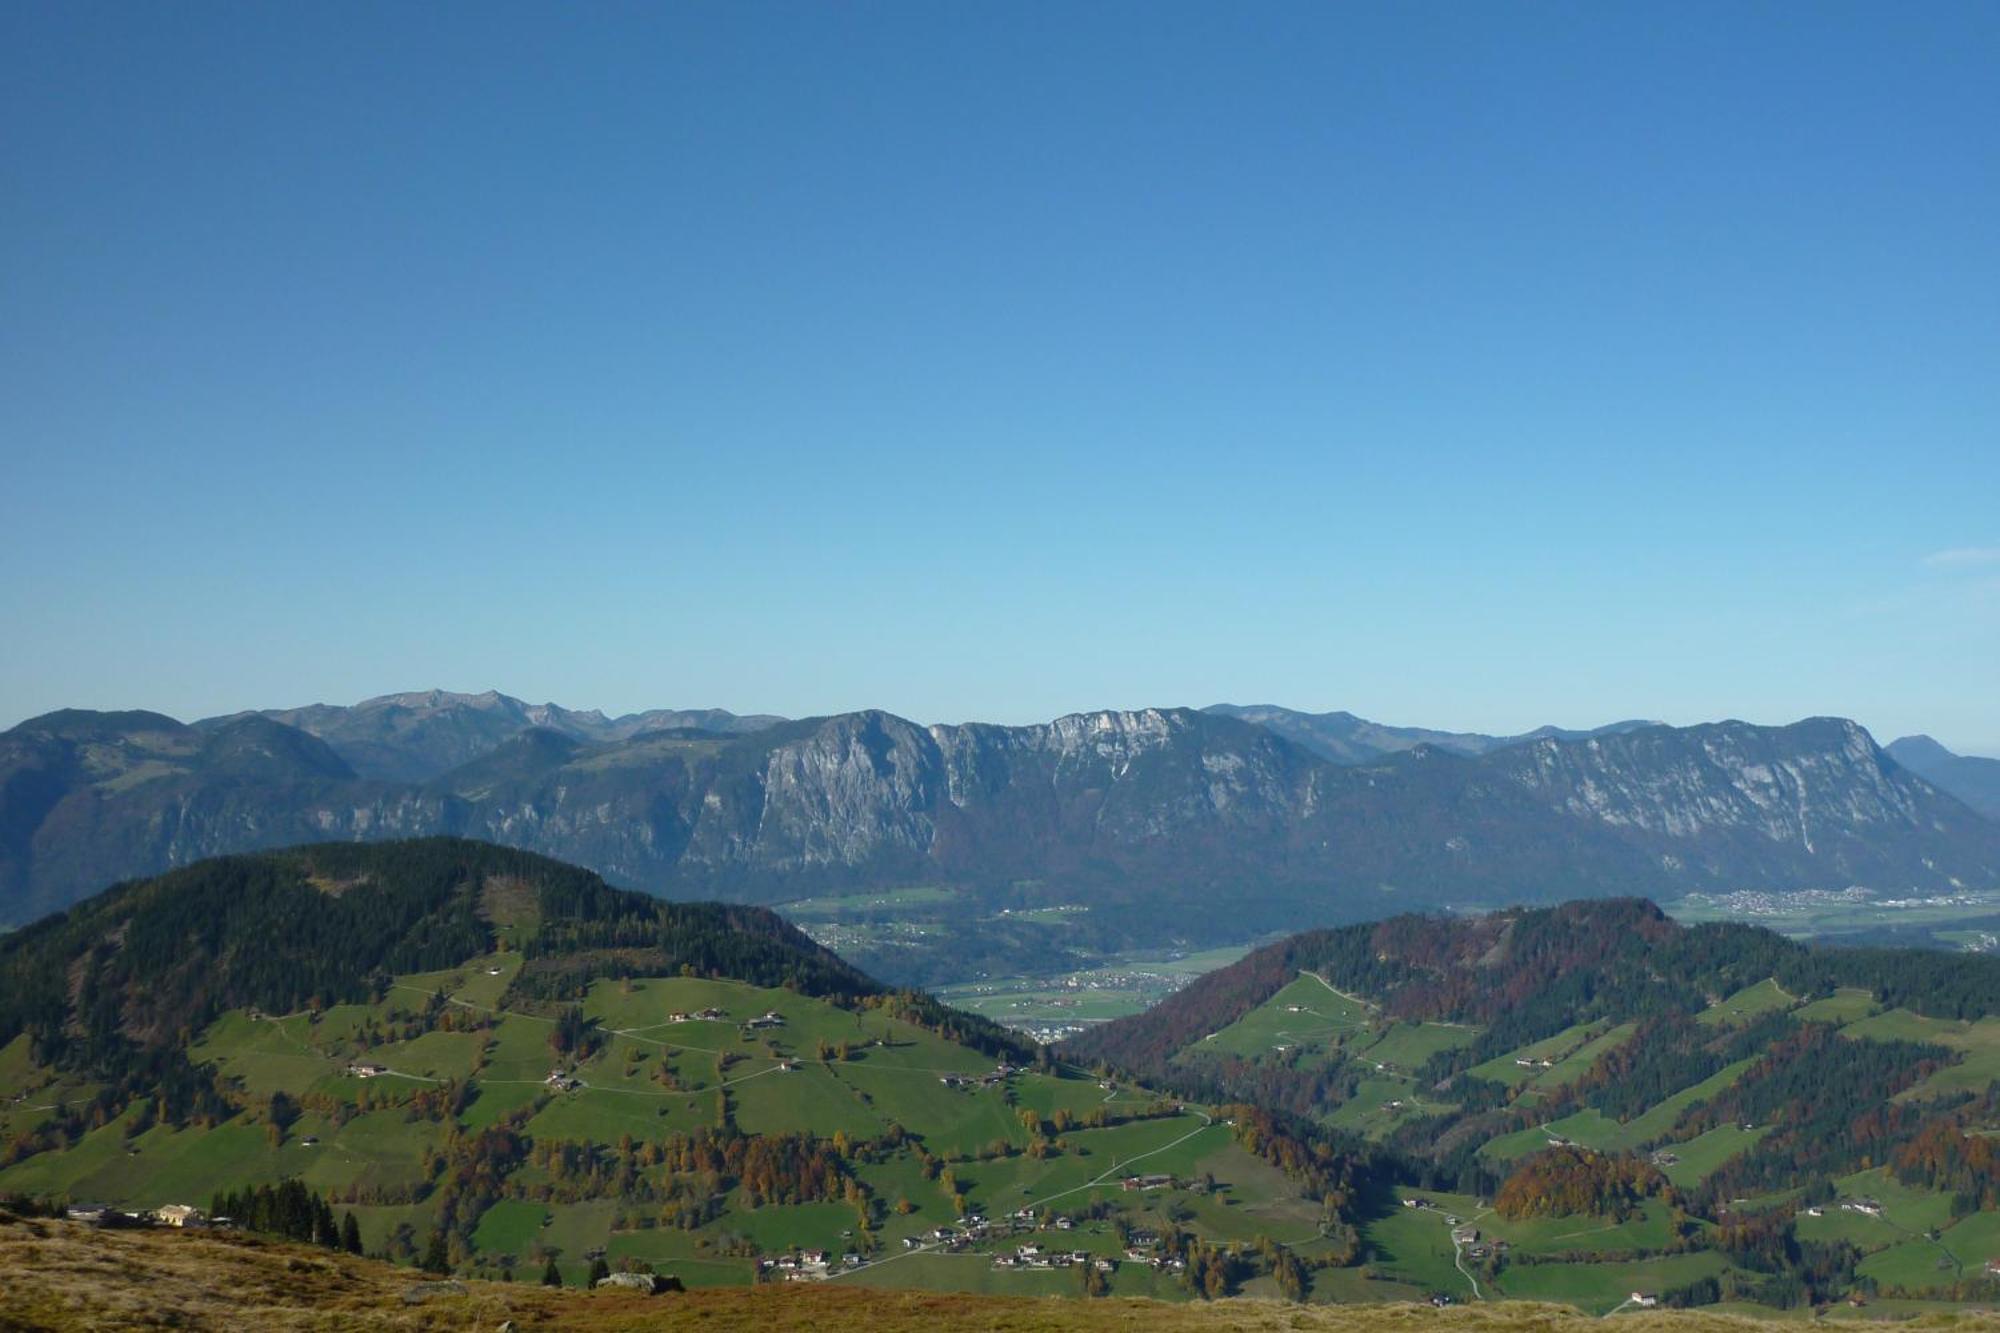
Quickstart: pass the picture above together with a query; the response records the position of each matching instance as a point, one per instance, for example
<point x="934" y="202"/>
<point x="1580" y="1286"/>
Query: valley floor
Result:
<point x="62" y="1276"/>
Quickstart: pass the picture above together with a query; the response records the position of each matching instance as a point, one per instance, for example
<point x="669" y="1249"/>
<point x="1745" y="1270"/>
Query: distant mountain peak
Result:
<point x="1970" y="778"/>
<point x="1347" y="739"/>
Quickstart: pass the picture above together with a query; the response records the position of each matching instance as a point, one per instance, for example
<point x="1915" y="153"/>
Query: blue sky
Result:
<point x="1472" y="365"/>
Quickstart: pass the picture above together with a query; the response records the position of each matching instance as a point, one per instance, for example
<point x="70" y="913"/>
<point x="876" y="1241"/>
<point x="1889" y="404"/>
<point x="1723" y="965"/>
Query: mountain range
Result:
<point x="1169" y="823"/>
<point x="416" y="736"/>
<point x="1970" y="778"/>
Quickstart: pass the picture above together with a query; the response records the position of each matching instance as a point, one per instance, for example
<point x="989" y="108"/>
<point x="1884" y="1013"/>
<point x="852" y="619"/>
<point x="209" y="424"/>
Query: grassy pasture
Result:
<point x="1978" y="1045"/>
<point x="1767" y="996"/>
<point x="1503" y="1069"/>
<point x="680" y="1253"/>
<point x="1847" y="1005"/>
<point x="1578" y="1062"/>
<point x="510" y="1226"/>
<point x="809" y="1098"/>
<point x="1652" y="1229"/>
<point x="1303" y="1015"/>
<point x="1406" y="1046"/>
<point x="1601" y="1288"/>
<point x="1900" y="1025"/>
<point x="1413" y="1246"/>
<point x="1701" y="1155"/>
<point x="1915" y="1264"/>
<point x="1369" y="1111"/>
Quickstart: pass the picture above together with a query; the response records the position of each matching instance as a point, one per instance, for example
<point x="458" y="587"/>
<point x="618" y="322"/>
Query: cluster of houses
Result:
<point x="361" y="1069"/>
<point x="770" y="1018"/>
<point x="1528" y="1062"/>
<point x="1147" y="1182"/>
<point x="972" y="1227"/>
<point x="1866" y="1205"/>
<point x="1463" y="1234"/>
<point x="709" y="1015"/>
<point x="182" y="1215"/>
<point x="1467" y="1238"/>
<point x="562" y="1080"/>
<point x="806" y="1265"/>
<point x="1001" y="1073"/>
<point x="1034" y="1256"/>
<point x="1142" y="1247"/>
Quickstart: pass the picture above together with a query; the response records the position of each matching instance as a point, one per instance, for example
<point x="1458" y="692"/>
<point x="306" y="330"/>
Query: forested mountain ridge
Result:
<point x="1526" y="973"/>
<point x="1816" y="1121"/>
<point x="1168" y="823"/>
<point x="472" y="1054"/>
<point x="114" y="986"/>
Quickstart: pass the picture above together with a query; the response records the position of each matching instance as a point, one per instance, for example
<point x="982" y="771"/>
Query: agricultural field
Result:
<point x="1815" y="913"/>
<point x="1309" y="1022"/>
<point x="371" y="1092"/>
<point x="529" y="1112"/>
<point x="1107" y="987"/>
<point x="1767" y="996"/>
<point x="1036" y="967"/>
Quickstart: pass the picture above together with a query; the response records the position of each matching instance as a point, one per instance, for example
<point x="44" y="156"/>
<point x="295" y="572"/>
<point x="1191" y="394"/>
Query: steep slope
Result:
<point x="1970" y="778"/>
<point x="1760" y="804"/>
<point x="1168" y="823"/>
<point x="1347" y="739"/>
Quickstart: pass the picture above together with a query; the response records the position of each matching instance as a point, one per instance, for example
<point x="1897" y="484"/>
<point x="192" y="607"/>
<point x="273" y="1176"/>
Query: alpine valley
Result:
<point x="487" y="1065"/>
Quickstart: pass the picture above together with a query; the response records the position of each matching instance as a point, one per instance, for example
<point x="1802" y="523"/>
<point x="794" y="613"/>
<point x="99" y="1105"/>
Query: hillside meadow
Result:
<point x="62" y="1277"/>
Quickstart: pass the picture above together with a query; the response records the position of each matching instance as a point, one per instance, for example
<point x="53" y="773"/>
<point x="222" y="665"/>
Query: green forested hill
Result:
<point x="496" y="1061"/>
<point x="1596" y="1082"/>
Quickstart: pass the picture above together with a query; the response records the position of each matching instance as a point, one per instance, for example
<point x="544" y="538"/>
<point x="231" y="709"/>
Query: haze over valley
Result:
<point x="1094" y="839"/>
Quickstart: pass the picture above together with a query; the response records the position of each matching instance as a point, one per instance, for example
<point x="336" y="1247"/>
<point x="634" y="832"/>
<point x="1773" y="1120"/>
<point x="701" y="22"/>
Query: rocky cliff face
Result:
<point x="1161" y="813"/>
<point x="1762" y="804"/>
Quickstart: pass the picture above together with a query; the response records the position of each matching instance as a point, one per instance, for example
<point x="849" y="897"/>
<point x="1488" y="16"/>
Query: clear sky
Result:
<point x="1468" y="365"/>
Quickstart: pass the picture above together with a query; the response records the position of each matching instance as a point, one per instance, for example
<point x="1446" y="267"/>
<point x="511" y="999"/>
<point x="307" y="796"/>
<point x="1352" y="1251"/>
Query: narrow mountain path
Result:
<point x="1351" y="999"/>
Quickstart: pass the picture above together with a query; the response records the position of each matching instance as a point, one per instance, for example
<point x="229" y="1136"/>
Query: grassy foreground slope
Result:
<point x="63" y="1278"/>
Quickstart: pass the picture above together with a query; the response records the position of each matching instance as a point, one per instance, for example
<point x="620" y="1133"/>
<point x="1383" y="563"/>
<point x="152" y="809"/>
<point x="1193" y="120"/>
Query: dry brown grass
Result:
<point x="59" y="1276"/>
